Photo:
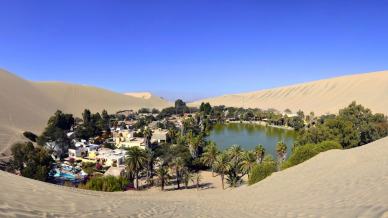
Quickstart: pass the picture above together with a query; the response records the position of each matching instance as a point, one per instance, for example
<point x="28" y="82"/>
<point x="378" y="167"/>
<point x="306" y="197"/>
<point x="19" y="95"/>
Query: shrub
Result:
<point x="106" y="184"/>
<point x="327" y="145"/>
<point x="31" y="136"/>
<point x="262" y="171"/>
<point x="32" y="162"/>
<point x="304" y="152"/>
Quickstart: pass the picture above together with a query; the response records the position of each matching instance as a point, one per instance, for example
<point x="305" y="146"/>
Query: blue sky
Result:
<point x="192" y="48"/>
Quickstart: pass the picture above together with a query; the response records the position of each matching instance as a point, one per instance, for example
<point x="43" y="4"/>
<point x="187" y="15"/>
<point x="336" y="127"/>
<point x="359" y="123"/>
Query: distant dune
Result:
<point x="323" y="96"/>
<point x="27" y="105"/>
<point x="144" y="95"/>
<point x="350" y="183"/>
<point x="75" y="98"/>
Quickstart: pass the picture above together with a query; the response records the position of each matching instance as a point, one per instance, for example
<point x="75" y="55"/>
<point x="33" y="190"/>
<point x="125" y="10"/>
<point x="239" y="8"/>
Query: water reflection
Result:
<point x="250" y="135"/>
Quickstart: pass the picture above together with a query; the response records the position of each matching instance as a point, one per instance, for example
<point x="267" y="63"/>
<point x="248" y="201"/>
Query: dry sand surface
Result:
<point x="26" y="105"/>
<point x="144" y="95"/>
<point x="350" y="183"/>
<point x="323" y="96"/>
<point x="75" y="98"/>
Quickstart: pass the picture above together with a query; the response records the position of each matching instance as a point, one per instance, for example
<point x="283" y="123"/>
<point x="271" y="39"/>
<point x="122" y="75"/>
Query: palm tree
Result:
<point x="147" y="137"/>
<point x="177" y="165"/>
<point x="222" y="166"/>
<point x="150" y="164"/>
<point x="194" y="144"/>
<point x="210" y="155"/>
<point x="187" y="176"/>
<point x="163" y="176"/>
<point x="260" y="153"/>
<point x="173" y="135"/>
<point x="248" y="162"/>
<point x="235" y="153"/>
<point x="197" y="178"/>
<point x="281" y="150"/>
<point x="136" y="161"/>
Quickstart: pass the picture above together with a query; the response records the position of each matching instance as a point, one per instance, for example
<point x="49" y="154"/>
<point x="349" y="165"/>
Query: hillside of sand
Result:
<point x="320" y="97"/>
<point x="26" y="106"/>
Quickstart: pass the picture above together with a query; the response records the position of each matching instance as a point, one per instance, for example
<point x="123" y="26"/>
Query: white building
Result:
<point x="109" y="157"/>
<point x="159" y="135"/>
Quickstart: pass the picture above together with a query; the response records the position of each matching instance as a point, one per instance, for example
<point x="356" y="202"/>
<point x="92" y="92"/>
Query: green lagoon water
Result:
<point x="250" y="135"/>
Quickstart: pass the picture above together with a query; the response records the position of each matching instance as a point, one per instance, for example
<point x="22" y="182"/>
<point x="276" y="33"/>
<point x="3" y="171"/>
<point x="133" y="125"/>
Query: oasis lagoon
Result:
<point x="250" y="135"/>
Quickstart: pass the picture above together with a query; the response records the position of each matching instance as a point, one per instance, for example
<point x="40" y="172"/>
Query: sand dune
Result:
<point x="75" y="98"/>
<point x="27" y="105"/>
<point x="351" y="183"/>
<point x="144" y="95"/>
<point x="323" y="96"/>
<point x="23" y="107"/>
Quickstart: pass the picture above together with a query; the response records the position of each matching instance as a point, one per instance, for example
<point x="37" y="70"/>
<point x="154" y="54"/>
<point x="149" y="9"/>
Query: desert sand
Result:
<point x="144" y="95"/>
<point x="26" y="106"/>
<point x="323" y="96"/>
<point x="337" y="183"/>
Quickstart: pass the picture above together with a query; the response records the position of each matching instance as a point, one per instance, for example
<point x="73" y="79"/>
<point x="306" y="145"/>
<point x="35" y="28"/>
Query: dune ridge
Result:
<point x="321" y="97"/>
<point x="26" y="105"/>
<point x="336" y="183"/>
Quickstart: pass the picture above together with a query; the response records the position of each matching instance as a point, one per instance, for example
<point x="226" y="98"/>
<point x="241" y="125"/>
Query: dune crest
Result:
<point x="337" y="183"/>
<point x="323" y="96"/>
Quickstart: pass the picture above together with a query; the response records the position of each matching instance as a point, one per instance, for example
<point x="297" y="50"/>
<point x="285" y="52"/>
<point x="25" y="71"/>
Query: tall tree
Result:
<point x="177" y="166"/>
<point x="248" y="162"/>
<point x="163" y="176"/>
<point x="87" y="117"/>
<point x="221" y="166"/>
<point x="281" y="150"/>
<point x="187" y="176"/>
<point x="197" y="178"/>
<point x="195" y="144"/>
<point x="260" y="153"/>
<point x="210" y="155"/>
<point x="32" y="162"/>
<point x="180" y="106"/>
<point x="136" y="162"/>
<point x="147" y="137"/>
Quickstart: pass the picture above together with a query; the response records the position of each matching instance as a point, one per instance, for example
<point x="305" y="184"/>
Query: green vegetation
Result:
<point x="354" y="126"/>
<point x="260" y="153"/>
<point x="55" y="133"/>
<point x="262" y="171"/>
<point x="186" y="150"/>
<point x="31" y="136"/>
<point x="205" y="108"/>
<point x="307" y="151"/>
<point x="106" y="184"/>
<point x="281" y="150"/>
<point x="136" y="162"/>
<point x="93" y="125"/>
<point x="210" y="155"/>
<point x="31" y="162"/>
<point x="197" y="178"/>
<point x="163" y="176"/>
<point x="221" y="166"/>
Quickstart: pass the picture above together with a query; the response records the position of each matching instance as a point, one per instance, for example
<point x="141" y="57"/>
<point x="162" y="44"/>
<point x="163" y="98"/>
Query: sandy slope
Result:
<point x="75" y="98"/>
<point x="351" y="183"/>
<point x="23" y="107"/>
<point x="26" y="105"/>
<point x="322" y="96"/>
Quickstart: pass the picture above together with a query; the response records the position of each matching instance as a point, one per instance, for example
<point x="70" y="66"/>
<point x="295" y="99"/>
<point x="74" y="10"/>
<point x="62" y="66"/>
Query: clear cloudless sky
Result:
<point x="192" y="48"/>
